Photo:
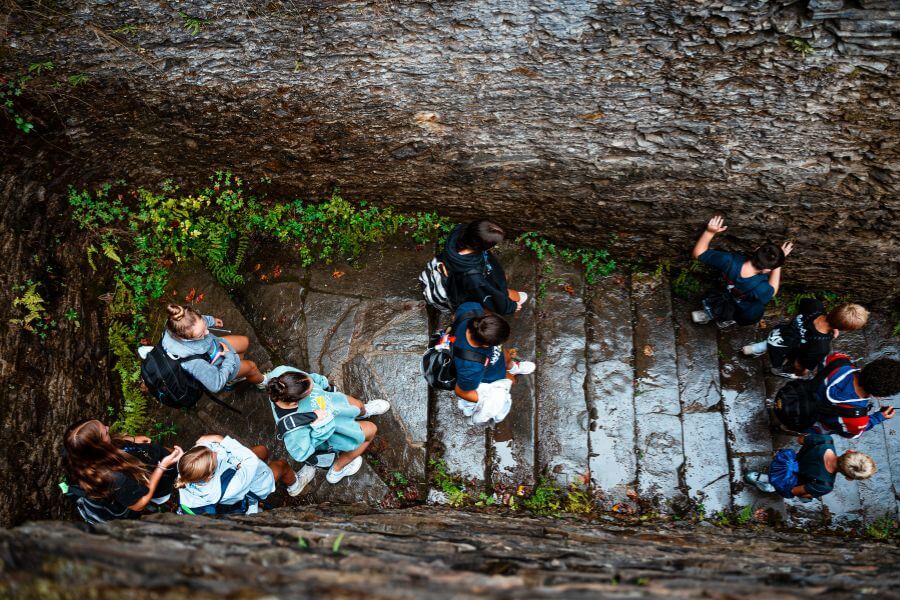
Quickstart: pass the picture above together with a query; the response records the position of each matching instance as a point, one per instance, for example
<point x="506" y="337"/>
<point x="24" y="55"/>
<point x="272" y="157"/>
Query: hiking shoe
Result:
<point x="522" y="367"/>
<point x="306" y="474"/>
<point x="757" y="349"/>
<point x="779" y="373"/>
<point x="352" y="467"/>
<point x="375" y="408"/>
<point x="754" y="479"/>
<point x="725" y="324"/>
<point x="700" y="317"/>
<point x="233" y="383"/>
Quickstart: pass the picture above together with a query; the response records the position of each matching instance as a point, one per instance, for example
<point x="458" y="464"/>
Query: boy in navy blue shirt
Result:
<point x="482" y="334"/>
<point x="751" y="281"/>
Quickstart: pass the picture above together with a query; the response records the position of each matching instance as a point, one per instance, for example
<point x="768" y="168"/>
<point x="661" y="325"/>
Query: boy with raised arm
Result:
<point x="750" y="281"/>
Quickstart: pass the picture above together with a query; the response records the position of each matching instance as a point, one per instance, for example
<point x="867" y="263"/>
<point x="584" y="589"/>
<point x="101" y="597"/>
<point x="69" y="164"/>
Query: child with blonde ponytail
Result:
<point x="220" y="476"/>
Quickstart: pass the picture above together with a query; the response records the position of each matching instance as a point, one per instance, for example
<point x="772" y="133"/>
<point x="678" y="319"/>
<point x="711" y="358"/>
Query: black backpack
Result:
<point x="95" y="511"/>
<point x="797" y="406"/>
<point x="170" y="384"/>
<point x="437" y="362"/>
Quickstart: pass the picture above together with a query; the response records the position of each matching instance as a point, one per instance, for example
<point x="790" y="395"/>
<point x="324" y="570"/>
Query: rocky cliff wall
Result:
<point x="610" y="123"/>
<point x="348" y="552"/>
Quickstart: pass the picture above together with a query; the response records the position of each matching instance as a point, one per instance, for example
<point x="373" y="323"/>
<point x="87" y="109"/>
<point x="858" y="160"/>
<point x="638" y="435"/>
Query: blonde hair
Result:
<point x="181" y="320"/>
<point x="848" y="317"/>
<point x="197" y="464"/>
<point x="856" y="465"/>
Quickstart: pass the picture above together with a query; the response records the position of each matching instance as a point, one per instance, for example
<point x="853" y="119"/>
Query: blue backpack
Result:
<point x="238" y="508"/>
<point x="783" y="472"/>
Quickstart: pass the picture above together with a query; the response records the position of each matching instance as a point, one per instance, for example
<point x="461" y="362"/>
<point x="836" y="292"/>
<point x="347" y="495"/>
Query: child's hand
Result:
<point x="218" y="323"/>
<point x="321" y="415"/>
<point x="224" y="347"/>
<point x="787" y="247"/>
<point x="141" y="439"/>
<point x="888" y="412"/>
<point x="715" y="225"/>
<point x="172" y="459"/>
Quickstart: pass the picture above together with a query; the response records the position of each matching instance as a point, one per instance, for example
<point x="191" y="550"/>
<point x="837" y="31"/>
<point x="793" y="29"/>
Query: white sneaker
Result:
<point x="306" y="474"/>
<point x="700" y="317"/>
<point x="523" y="298"/>
<point x="375" y="408"/>
<point x="779" y="373"/>
<point x="334" y="476"/>
<point x="757" y="349"/>
<point x="522" y="367"/>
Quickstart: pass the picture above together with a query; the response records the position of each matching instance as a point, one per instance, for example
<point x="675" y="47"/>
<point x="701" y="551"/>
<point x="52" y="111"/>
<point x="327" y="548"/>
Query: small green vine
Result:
<point x="596" y="262"/>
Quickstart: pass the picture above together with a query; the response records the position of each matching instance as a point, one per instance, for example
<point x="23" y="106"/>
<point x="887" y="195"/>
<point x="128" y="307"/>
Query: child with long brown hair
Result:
<point x="221" y="362"/>
<point x="119" y="474"/>
<point x="221" y="476"/>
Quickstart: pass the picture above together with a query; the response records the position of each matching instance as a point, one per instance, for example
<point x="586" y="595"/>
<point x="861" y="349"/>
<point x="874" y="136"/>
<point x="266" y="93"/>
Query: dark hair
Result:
<point x="881" y="377"/>
<point x="481" y="235"/>
<point x="289" y="387"/>
<point x="92" y="461"/>
<point x="488" y="330"/>
<point x="767" y="256"/>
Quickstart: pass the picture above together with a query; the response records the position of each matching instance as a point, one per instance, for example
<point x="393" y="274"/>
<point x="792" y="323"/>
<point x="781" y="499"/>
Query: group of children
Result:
<point x="829" y="391"/>
<point x="116" y="476"/>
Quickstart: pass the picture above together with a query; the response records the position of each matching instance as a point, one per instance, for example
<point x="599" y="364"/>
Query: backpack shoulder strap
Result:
<point x="469" y="355"/>
<point x="827" y="370"/>
<point x="469" y="314"/>
<point x="226" y="478"/>
<point x="190" y="357"/>
<point x="295" y="420"/>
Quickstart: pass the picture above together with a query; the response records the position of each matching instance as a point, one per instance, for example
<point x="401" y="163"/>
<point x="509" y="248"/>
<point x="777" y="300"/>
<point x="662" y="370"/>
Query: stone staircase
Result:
<point x="629" y="396"/>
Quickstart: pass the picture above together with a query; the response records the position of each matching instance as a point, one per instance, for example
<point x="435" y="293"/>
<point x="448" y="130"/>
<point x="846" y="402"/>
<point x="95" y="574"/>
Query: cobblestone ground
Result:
<point x="629" y="396"/>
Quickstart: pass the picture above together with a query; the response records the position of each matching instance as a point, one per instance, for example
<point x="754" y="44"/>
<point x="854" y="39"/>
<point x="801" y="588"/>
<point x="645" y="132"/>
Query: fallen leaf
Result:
<point x="145" y="341"/>
<point x="199" y="298"/>
<point x="257" y="267"/>
<point x="263" y="277"/>
<point x="761" y="515"/>
<point x="190" y="296"/>
<point x="569" y="290"/>
<point x="276" y="272"/>
<point x="585" y="478"/>
<point x="648" y="350"/>
<point x="762" y="323"/>
<point x="338" y="274"/>
<point x="632" y="494"/>
<point x="520" y="491"/>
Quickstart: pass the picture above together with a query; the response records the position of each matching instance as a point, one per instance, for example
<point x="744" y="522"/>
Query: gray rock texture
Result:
<point x="612" y="123"/>
<point x="351" y="552"/>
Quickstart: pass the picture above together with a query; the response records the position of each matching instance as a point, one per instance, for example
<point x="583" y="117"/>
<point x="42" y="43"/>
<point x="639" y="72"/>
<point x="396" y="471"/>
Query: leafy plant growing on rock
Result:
<point x="448" y="484"/>
<point x="142" y="233"/>
<point x="596" y="262"/>
<point x="800" y="46"/>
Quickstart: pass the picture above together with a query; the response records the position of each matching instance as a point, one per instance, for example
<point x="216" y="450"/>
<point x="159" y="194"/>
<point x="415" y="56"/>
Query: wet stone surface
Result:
<point x="630" y="397"/>
<point x="563" y="417"/>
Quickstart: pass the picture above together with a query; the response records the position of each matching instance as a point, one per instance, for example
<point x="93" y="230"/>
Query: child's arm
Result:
<point x="470" y="395"/>
<point x="712" y="228"/>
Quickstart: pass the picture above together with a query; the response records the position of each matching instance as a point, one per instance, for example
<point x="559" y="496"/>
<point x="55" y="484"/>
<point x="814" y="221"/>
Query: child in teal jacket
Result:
<point x="335" y="426"/>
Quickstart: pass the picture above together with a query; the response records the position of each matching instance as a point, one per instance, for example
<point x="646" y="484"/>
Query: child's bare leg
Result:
<point x="261" y="452"/>
<point x="250" y="371"/>
<point x="283" y="472"/>
<point x="240" y="343"/>
<point x="369" y="430"/>
<point x="358" y="404"/>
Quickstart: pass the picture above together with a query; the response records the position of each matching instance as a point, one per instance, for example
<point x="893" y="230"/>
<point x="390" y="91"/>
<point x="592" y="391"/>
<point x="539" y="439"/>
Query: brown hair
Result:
<point x="289" y="387"/>
<point x="92" y="461"/>
<point x="197" y="464"/>
<point x="181" y="320"/>
<point x="848" y="317"/>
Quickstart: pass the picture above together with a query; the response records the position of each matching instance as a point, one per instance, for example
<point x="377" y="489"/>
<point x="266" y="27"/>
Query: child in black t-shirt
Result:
<point x="798" y="346"/>
<point x="121" y="473"/>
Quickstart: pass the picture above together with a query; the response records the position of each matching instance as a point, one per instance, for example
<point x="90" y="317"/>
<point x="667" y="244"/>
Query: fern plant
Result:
<point x="33" y="303"/>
